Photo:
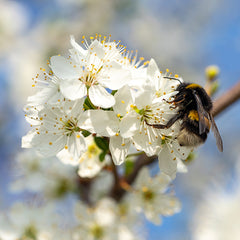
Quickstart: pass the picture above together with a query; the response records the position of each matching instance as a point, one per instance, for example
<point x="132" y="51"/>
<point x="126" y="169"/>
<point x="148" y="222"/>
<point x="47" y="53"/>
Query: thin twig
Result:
<point x="143" y="160"/>
<point x="227" y="99"/>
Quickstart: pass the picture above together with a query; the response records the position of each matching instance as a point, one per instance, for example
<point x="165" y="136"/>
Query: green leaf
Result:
<point x="102" y="156"/>
<point x="85" y="133"/>
<point x="113" y="92"/>
<point x="88" y="104"/>
<point x="102" y="143"/>
<point x="191" y="157"/>
<point x="129" y="165"/>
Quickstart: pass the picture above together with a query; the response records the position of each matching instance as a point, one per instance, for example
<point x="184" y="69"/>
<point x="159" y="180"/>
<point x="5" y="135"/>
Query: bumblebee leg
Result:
<point x="176" y="100"/>
<point x="168" y="125"/>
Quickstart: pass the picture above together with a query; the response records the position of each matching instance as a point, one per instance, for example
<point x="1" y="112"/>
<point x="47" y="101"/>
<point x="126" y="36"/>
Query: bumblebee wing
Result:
<point x="201" y="114"/>
<point x="216" y="133"/>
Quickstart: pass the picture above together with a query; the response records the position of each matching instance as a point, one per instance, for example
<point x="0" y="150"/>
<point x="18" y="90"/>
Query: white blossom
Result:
<point x="46" y="176"/>
<point x="89" y="164"/>
<point x="56" y="128"/>
<point x="91" y="71"/>
<point x="96" y="223"/>
<point x="149" y="196"/>
<point x="29" y="222"/>
<point x="216" y="216"/>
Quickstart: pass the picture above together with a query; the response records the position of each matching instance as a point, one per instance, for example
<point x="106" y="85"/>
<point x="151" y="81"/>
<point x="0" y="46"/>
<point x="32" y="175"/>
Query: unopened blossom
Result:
<point x="149" y="196"/>
<point x="56" y="128"/>
<point x="91" y="71"/>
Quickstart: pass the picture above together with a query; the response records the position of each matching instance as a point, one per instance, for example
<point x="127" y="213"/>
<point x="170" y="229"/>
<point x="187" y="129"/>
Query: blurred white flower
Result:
<point x="217" y="216"/>
<point x="28" y="222"/>
<point x="97" y="223"/>
<point x="90" y="164"/>
<point x="46" y="176"/>
<point x="149" y="196"/>
<point x="101" y="185"/>
<point x="105" y="221"/>
<point x="10" y="31"/>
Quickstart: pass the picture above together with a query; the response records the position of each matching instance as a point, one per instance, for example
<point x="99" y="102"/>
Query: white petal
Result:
<point x="119" y="148"/>
<point x="75" y="45"/>
<point x="130" y="124"/>
<point x="73" y="89"/>
<point x="116" y="77"/>
<point x="67" y="158"/>
<point x="48" y="144"/>
<point x="144" y="99"/>
<point x="152" y="69"/>
<point x="179" y="151"/>
<point x="123" y="99"/>
<point x="73" y="109"/>
<point x="154" y="75"/>
<point x="76" y="145"/>
<point x="105" y="123"/>
<point x="145" y="141"/>
<point x="100" y="97"/>
<point x="142" y="178"/>
<point x="97" y="47"/>
<point x="27" y="139"/>
<point x="50" y="95"/>
<point x="63" y="69"/>
<point x="90" y="167"/>
<point x="166" y="163"/>
<point x="181" y="167"/>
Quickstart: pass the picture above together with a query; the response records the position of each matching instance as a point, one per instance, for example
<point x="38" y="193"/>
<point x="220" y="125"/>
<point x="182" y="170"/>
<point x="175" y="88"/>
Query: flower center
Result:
<point x="89" y="77"/>
<point x="30" y="233"/>
<point x="147" y="194"/>
<point x="97" y="231"/>
<point x="144" y="112"/>
<point x="70" y="126"/>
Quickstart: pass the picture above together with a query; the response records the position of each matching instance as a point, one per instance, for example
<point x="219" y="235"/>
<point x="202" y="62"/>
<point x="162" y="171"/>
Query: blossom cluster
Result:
<point x="98" y="101"/>
<point x="107" y="219"/>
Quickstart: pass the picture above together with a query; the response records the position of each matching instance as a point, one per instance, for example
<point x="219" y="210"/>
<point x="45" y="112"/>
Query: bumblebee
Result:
<point x="195" y="107"/>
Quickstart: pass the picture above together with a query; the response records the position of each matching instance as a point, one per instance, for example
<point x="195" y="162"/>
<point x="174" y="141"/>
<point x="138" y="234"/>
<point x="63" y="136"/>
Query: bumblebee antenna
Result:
<point x="173" y="78"/>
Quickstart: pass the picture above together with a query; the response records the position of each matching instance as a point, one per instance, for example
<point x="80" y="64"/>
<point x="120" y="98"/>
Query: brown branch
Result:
<point x="84" y="186"/>
<point x="118" y="192"/>
<point x="227" y="99"/>
<point x="142" y="161"/>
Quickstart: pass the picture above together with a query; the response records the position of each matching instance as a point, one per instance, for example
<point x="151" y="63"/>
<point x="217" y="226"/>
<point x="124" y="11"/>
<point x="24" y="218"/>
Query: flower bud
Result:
<point x="212" y="72"/>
